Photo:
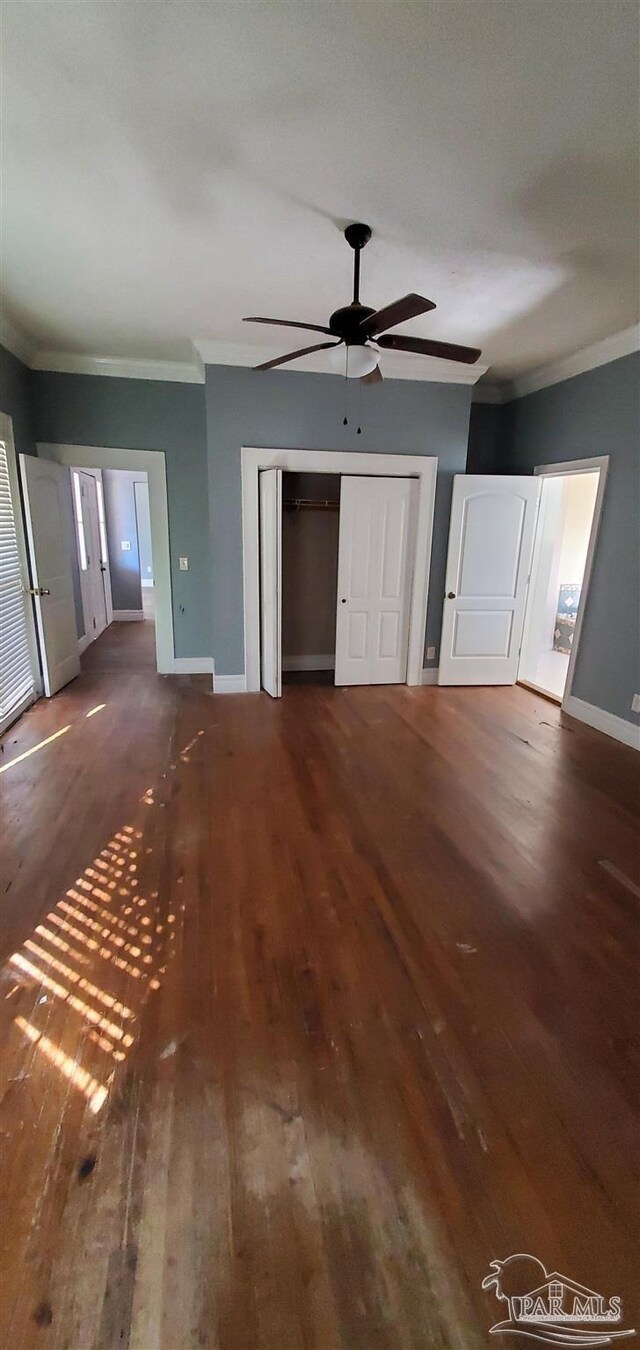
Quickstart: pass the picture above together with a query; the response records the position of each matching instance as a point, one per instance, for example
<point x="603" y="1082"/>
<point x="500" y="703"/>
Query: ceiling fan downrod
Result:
<point x="357" y="236"/>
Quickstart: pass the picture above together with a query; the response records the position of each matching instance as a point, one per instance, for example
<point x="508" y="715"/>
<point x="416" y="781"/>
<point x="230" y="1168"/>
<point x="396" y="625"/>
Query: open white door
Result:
<point x="493" y="520"/>
<point x="375" y="566"/>
<point x="49" y="520"/>
<point x="271" y="581"/>
<point x="87" y="521"/>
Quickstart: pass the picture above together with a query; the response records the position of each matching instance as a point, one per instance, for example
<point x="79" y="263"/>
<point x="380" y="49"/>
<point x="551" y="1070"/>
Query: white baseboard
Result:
<point x="146" y="583"/>
<point x="128" y="615"/>
<point x="83" y="643"/>
<point x="308" y="662"/>
<point x="430" y="675"/>
<point x="193" y="665"/>
<point x="229" y="684"/>
<point x="621" y="730"/>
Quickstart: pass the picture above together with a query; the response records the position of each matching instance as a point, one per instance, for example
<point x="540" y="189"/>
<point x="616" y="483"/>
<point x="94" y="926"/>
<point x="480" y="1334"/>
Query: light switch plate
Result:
<point x="125" y="545"/>
<point x="184" y="564"/>
<point x="431" y="653"/>
<point x="635" y="703"/>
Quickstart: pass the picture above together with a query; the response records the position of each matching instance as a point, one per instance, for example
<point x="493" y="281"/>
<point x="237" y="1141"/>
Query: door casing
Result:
<point x="254" y="458"/>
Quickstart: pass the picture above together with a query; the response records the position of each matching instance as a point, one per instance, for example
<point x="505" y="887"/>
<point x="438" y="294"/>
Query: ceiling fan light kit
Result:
<point x="353" y="362"/>
<point x="353" y="326"/>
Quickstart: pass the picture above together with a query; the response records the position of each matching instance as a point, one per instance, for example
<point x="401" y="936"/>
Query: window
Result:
<point x="77" y="497"/>
<point x="17" y="683"/>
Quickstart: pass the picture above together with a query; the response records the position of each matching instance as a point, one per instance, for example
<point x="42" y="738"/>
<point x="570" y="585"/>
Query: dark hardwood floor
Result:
<point x="310" y="1010"/>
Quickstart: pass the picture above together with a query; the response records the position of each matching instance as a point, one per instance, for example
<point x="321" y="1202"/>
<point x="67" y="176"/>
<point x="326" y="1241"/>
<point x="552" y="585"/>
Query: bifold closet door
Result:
<point x="493" y="521"/>
<point x="375" y="567"/>
<point x="271" y="581"/>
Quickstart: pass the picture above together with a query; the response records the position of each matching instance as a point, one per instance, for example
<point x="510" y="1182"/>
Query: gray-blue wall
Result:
<point x="486" y="437"/>
<point x="147" y="415"/>
<point x="299" y="411"/>
<point x="16" y="400"/>
<point x="597" y="413"/>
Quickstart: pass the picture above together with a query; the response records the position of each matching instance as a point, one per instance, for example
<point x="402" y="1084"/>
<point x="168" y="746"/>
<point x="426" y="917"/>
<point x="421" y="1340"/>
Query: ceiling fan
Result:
<point x="356" y="328"/>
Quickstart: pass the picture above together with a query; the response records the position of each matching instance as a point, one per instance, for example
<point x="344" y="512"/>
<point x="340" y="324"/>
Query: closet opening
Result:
<point x="310" y="531"/>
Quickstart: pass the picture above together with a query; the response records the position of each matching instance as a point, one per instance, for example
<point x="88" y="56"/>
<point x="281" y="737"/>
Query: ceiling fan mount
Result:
<point x="358" y="326"/>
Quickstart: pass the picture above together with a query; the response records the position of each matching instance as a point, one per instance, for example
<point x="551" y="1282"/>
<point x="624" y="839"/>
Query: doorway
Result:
<point x="152" y="464"/>
<point x="564" y="544"/>
<point x="310" y="526"/>
<point x="420" y="470"/>
<point x="349" y="583"/>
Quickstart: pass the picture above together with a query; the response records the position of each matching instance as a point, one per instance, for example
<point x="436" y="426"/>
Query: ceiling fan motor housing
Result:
<point x="345" y="323"/>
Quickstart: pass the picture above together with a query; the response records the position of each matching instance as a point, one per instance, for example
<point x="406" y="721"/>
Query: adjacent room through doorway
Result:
<point x="113" y="581"/>
<point x="557" y="587"/>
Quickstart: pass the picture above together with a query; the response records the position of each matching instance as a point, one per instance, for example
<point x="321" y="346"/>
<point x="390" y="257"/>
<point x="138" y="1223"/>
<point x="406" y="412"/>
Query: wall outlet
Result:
<point x="431" y="653"/>
<point x="184" y="564"/>
<point x="635" y="703"/>
<point x="125" y="545"/>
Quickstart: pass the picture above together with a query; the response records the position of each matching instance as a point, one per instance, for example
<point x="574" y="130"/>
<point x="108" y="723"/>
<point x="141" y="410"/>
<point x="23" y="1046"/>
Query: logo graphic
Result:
<point x="550" y="1307"/>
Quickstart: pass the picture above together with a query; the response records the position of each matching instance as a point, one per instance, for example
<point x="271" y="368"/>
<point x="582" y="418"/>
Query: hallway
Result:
<point x="309" y="1010"/>
<point x="122" y="647"/>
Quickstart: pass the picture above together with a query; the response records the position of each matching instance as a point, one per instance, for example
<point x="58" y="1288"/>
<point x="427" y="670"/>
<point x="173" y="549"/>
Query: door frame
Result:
<point x="422" y="467"/>
<point x="562" y="470"/>
<point x="6" y="435"/>
<point x="151" y="462"/>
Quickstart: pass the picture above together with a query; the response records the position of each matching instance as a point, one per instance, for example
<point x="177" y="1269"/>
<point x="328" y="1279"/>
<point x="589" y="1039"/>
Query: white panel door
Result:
<point x="93" y="594"/>
<point x="375" y="568"/>
<point x="493" y="520"/>
<point x="49" y="519"/>
<point x="271" y="581"/>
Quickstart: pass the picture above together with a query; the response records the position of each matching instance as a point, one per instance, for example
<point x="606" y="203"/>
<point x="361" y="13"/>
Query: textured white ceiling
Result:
<point x="169" y="167"/>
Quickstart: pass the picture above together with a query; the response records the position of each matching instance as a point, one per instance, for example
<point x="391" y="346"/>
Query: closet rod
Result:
<point x="295" y="503"/>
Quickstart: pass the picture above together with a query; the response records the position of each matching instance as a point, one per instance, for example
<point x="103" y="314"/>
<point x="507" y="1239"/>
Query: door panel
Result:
<point x="49" y="518"/>
<point x="375" y="564"/>
<point x="271" y="580"/>
<point x="490" y="544"/>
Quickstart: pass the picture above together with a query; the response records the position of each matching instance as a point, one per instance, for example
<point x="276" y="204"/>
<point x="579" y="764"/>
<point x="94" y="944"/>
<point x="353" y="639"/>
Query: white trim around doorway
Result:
<point x="151" y="462"/>
<point x="254" y="458"/>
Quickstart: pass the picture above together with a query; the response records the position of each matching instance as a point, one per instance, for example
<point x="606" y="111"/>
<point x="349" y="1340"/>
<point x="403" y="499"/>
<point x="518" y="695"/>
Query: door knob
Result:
<point x="451" y="595"/>
<point x="38" y="590"/>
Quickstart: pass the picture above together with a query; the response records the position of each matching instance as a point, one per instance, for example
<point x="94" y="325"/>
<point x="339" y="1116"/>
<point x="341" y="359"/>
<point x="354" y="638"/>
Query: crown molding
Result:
<point x="76" y="363"/>
<point x="395" y="365"/>
<point x="15" y="340"/>
<point x="599" y="354"/>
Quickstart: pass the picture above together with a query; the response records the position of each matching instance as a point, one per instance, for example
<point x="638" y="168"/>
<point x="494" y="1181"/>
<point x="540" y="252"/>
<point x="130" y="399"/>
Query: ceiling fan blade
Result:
<point x="291" y="356"/>
<point x="401" y="310"/>
<point x="291" y="323"/>
<point x="374" y="377"/>
<point x="450" y="351"/>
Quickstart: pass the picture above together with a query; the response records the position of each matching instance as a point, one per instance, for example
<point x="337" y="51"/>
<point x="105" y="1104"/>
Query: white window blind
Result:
<point x="17" y="684"/>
